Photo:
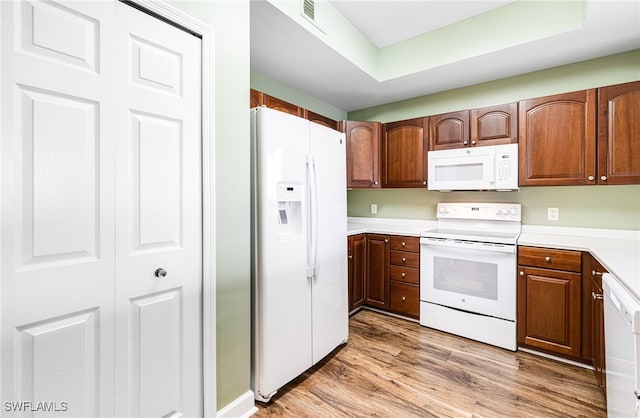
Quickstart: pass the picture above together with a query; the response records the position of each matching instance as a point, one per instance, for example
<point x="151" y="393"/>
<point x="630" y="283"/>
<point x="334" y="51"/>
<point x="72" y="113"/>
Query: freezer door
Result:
<point x="281" y="290"/>
<point x="329" y="229"/>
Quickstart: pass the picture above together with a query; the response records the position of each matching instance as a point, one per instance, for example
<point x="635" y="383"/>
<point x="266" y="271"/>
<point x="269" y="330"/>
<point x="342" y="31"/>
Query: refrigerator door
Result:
<point x="282" y="291"/>
<point x="329" y="220"/>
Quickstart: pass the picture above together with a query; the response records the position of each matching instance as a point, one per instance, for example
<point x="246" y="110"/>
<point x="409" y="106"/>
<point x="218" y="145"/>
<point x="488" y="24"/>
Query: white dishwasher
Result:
<point x="622" y="350"/>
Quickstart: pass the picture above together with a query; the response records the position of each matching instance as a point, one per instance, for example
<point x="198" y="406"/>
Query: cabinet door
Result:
<point x="404" y="148"/>
<point x="363" y="153"/>
<point x="557" y="139"/>
<point x="549" y="310"/>
<point x="597" y="325"/>
<point x="449" y="130"/>
<point x="321" y="120"/>
<point x="377" y="272"/>
<point x="619" y="134"/>
<point x="356" y="272"/>
<point x="277" y="104"/>
<point x="494" y="125"/>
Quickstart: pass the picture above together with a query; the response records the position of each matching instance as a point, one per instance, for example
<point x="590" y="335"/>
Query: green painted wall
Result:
<point x="289" y="94"/>
<point x="615" y="207"/>
<point x="230" y="20"/>
<point x="604" y="71"/>
<point x="611" y="207"/>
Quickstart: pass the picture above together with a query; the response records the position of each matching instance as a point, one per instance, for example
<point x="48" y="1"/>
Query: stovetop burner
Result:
<point x="479" y="222"/>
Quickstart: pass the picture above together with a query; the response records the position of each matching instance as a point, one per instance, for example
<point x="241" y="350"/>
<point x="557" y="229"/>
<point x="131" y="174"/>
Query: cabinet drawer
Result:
<point x="405" y="274"/>
<point x="405" y="243"/>
<point x="405" y="299"/>
<point x="550" y="258"/>
<point x="403" y="258"/>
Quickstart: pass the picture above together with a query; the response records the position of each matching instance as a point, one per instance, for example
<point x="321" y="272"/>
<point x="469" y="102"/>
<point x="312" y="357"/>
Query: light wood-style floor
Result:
<point x="396" y="368"/>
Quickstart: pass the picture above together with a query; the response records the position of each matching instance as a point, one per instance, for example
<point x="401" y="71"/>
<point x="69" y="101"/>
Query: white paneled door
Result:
<point x="101" y="209"/>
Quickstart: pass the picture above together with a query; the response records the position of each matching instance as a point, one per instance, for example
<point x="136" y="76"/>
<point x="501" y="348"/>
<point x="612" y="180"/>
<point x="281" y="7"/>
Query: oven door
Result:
<point x="469" y="276"/>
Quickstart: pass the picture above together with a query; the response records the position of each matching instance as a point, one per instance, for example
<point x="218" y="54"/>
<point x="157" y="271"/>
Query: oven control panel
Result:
<point x="480" y="211"/>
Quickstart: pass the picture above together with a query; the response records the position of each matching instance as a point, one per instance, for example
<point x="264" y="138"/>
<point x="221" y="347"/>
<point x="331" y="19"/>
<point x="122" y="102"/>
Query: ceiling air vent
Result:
<point x="312" y="11"/>
<point x="309" y="9"/>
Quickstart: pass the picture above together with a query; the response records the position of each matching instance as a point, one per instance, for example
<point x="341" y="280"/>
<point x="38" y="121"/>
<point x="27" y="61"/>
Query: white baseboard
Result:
<point x="242" y="407"/>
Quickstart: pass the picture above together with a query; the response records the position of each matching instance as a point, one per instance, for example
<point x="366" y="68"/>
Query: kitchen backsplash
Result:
<point x="611" y="207"/>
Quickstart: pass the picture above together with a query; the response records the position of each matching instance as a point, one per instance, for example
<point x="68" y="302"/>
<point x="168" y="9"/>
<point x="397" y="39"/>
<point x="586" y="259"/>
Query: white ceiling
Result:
<point x="388" y="22"/>
<point x="284" y="51"/>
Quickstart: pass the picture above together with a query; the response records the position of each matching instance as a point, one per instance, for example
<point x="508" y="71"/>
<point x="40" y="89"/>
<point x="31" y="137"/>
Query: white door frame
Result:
<point x="174" y="15"/>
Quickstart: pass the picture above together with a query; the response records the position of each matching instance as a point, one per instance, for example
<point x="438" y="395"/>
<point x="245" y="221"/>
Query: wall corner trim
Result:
<point x="242" y="407"/>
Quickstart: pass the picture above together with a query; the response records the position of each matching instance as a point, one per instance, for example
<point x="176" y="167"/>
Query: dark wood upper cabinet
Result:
<point x="363" y="153"/>
<point x="619" y="134"/>
<point x="404" y="153"/>
<point x="557" y="137"/>
<point x="494" y="125"/>
<point x="321" y="120"/>
<point x="256" y="98"/>
<point x="449" y="130"/>
<point x="277" y="104"/>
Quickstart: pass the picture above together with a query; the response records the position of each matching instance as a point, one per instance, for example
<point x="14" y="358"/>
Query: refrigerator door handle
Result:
<point x="309" y="232"/>
<point x="314" y="216"/>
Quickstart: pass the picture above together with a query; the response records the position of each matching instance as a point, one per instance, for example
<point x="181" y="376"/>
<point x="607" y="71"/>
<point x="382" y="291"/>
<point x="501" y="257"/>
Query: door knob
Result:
<point x="160" y="273"/>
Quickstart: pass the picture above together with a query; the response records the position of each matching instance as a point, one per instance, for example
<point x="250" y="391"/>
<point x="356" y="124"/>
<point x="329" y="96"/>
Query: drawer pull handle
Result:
<point x="596" y="296"/>
<point x="595" y="273"/>
<point x="547" y="259"/>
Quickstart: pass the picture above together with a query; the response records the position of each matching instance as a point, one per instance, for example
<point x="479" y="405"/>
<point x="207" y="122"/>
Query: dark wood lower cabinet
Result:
<point x="550" y="301"/>
<point x="405" y="299"/>
<point x="356" y="271"/>
<point x="384" y="273"/>
<point x="597" y="325"/>
<point x="376" y="292"/>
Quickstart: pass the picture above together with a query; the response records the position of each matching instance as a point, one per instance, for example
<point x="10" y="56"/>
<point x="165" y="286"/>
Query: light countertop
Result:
<point x="617" y="250"/>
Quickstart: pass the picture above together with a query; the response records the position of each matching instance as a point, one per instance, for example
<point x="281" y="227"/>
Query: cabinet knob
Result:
<point x="375" y="182"/>
<point x="403" y="274"/>
<point x="386" y="241"/>
<point x="590" y="178"/>
<point x="465" y="142"/>
<point x="547" y="259"/>
<point x="522" y="273"/>
<point x="424" y="183"/>
<point x="596" y="296"/>
<point x="350" y="257"/>
<point x="473" y="142"/>
<point x="595" y="273"/>
<point x="404" y="259"/>
<point x="403" y="243"/>
<point x="603" y="178"/>
<point x="404" y="298"/>
<point x="160" y="273"/>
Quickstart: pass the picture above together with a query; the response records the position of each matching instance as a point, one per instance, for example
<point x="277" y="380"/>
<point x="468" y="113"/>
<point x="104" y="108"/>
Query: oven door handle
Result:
<point x="468" y="245"/>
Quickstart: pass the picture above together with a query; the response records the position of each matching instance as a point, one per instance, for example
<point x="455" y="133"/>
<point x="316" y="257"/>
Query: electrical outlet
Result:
<point x="374" y="209"/>
<point x="553" y="214"/>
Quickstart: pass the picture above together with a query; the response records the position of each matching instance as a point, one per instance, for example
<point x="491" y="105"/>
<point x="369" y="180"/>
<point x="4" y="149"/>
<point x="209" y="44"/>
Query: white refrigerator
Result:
<point x="299" y="271"/>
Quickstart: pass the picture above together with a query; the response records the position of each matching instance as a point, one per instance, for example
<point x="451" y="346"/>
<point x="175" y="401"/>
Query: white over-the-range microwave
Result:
<point x="492" y="167"/>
